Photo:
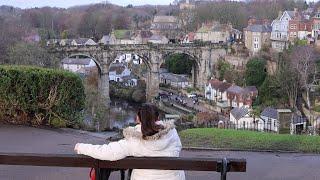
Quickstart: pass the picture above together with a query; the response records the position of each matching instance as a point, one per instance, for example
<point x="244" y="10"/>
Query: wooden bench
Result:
<point x="222" y="165"/>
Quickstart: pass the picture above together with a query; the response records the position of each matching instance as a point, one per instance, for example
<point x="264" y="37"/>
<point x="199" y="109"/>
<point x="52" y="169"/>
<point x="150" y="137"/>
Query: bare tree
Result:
<point x="287" y="80"/>
<point x="303" y="63"/>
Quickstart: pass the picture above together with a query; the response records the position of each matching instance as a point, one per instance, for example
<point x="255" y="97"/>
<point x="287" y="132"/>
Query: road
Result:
<point x="262" y="166"/>
<point x="188" y="102"/>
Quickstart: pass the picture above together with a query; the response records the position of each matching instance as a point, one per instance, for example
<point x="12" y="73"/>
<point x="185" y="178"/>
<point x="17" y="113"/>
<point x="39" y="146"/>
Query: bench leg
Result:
<point x="224" y="169"/>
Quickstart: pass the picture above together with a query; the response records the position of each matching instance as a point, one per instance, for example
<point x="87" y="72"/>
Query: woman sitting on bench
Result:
<point x="150" y="138"/>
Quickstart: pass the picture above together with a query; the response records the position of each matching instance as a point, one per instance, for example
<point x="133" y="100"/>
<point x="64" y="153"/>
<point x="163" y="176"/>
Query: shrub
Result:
<point x="39" y="96"/>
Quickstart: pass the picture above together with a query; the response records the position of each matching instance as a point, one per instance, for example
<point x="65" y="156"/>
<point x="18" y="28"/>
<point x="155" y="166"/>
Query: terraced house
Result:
<point x="217" y="33"/>
<point x="257" y="34"/>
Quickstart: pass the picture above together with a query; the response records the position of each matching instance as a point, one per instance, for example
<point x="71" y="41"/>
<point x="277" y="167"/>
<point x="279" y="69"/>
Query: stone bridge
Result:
<point x="153" y="55"/>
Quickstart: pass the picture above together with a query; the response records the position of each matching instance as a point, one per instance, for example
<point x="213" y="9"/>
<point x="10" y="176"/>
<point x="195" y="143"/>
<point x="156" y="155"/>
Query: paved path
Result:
<point x="262" y="166"/>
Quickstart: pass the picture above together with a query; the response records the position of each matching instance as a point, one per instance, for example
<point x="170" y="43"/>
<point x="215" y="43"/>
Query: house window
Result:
<point x="293" y="26"/>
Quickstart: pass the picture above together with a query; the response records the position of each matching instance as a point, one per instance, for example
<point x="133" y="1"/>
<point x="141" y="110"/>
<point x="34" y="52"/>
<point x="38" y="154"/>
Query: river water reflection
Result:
<point x="122" y="113"/>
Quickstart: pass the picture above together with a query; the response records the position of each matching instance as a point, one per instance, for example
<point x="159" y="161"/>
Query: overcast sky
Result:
<point x="68" y="3"/>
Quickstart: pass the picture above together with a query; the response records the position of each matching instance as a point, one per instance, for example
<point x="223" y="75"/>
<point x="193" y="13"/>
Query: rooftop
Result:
<point x="77" y="61"/>
<point x="270" y="113"/>
<point x="165" y="19"/>
<point x="259" y="28"/>
<point x="239" y="113"/>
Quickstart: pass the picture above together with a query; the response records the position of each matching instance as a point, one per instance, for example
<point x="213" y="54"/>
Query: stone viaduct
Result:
<point x="153" y="55"/>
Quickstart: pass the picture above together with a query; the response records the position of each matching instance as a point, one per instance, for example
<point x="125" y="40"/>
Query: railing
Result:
<point x="162" y="163"/>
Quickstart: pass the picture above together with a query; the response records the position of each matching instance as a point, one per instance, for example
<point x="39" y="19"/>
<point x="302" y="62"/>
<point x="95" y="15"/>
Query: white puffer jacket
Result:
<point x="166" y="143"/>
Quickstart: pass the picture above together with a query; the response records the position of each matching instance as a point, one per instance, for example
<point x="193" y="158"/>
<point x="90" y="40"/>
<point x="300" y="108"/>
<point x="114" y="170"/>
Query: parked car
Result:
<point x="192" y="95"/>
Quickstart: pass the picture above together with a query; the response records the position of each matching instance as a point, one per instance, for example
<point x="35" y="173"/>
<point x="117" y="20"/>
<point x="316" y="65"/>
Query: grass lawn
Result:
<point x="248" y="140"/>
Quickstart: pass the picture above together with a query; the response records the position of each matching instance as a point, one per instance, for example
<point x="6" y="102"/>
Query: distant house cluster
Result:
<point x="230" y="96"/>
<point x="71" y="42"/>
<point x="80" y="65"/>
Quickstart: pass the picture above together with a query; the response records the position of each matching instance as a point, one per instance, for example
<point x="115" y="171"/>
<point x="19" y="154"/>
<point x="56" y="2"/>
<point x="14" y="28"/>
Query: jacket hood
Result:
<point x="135" y="132"/>
<point x="165" y="141"/>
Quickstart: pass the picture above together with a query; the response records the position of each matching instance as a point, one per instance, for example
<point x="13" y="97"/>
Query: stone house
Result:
<point x="175" y="80"/>
<point x="77" y="64"/>
<point x="167" y="26"/>
<point x="217" y="33"/>
<point x="280" y="28"/>
<point x="257" y="35"/>
<point x="117" y="72"/>
<point x="124" y="36"/>
<point x="83" y="42"/>
<point x="143" y="36"/>
<point x="238" y="96"/>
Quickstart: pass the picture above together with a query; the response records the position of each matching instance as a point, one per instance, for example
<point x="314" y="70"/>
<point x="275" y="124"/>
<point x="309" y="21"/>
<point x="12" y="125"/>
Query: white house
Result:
<point x="126" y="58"/>
<point x="83" y="42"/>
<point x="217" y="91"/>
<point x="76" y="64"/>
<point x="241" y="119"/>
<point x="130" y="80"/>
<point x="270" y="117"/>
<point x="117" y="72"/>
<point x="280" y="27"/>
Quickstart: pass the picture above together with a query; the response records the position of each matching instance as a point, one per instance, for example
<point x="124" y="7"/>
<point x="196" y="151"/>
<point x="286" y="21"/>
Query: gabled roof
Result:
<point x="298" y="119"/>
<point x="239" y="113"/>
<point x="235" y="89"/>
<point x="219" y="85"/>
<point x="215" y="83"/>
<point x="224" y="86"/>
<point x="259" y="28"/>
<point x="79" y="61"/>
<point x="118" y="68"/>
<point x="105" y="38"/>
<point x="82" y="40"/>
<point x="291" y="14"/>
<point x="270" y="113"/>
<point x="174" y="77"/>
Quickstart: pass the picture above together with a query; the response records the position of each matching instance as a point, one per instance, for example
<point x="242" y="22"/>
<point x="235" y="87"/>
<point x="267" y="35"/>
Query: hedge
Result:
<point x="38" y="96"/>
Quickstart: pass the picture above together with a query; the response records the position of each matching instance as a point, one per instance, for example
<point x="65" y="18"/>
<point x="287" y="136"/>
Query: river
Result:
<point x="122" y="114"/>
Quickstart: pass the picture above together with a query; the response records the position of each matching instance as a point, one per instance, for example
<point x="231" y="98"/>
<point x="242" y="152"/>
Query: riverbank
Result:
<point x="249" y="140"/>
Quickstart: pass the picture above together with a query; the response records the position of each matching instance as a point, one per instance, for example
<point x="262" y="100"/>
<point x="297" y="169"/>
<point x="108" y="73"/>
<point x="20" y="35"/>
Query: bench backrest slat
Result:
<point x="163" y="163"/>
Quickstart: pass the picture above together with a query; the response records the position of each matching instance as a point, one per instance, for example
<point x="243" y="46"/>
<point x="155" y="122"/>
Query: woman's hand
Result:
<point x="76" y="148"/>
